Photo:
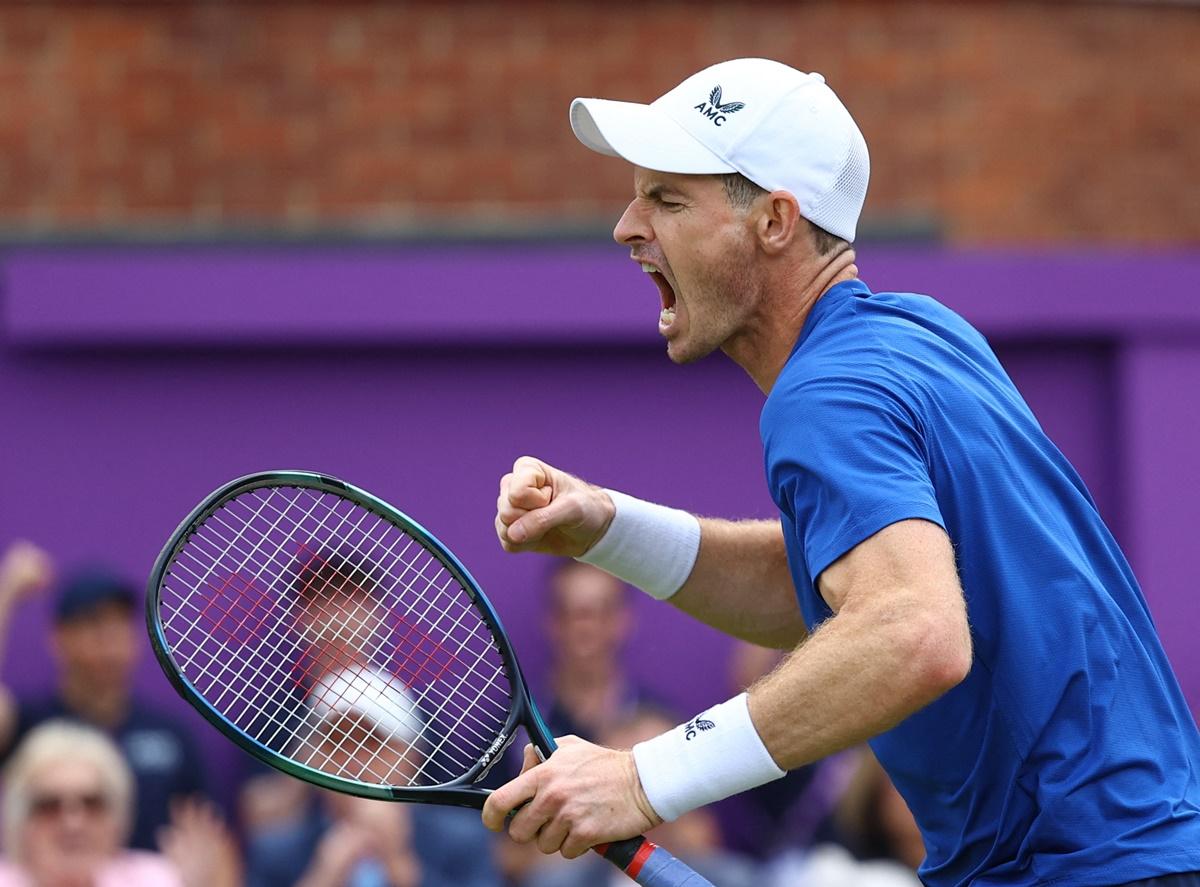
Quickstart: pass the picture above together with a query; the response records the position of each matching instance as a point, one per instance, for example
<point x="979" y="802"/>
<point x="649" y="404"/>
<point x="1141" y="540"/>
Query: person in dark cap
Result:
<point x="94" y="644"/>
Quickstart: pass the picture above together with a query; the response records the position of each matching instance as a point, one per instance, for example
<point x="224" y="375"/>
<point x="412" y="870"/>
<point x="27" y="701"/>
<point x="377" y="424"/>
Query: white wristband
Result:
<point x="650" y="546"/>
<point x="714" y="755"/>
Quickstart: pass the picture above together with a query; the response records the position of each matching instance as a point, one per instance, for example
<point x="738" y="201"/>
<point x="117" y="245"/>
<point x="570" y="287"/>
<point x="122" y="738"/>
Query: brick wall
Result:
<point x="1002" y="122"/>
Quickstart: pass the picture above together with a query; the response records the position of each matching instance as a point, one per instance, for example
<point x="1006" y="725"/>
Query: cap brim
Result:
<point x="367" y="696"/>
<point x="643" y="135"/>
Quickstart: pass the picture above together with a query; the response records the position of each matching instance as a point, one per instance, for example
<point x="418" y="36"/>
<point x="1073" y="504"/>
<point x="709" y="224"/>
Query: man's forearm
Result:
<point x="741" y="585"/>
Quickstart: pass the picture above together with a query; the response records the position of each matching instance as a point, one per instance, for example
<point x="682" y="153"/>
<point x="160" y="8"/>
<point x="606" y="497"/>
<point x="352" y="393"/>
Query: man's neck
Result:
<point x="764" y="355"/>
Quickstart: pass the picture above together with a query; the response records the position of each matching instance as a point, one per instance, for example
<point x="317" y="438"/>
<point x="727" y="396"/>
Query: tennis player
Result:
<point x="944" y="580"/>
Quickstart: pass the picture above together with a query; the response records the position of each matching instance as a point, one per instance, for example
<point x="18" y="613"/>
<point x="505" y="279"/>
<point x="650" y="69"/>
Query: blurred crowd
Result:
<point x="102" y="787"/>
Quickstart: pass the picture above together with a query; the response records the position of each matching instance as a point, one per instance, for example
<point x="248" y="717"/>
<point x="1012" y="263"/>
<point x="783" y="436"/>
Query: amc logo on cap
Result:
<point x="714" y="110"/>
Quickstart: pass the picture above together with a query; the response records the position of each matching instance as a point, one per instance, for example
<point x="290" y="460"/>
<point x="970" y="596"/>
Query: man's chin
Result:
<point x="681" y="354"/>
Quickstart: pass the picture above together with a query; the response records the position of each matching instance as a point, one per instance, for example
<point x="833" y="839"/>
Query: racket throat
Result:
<point x="494" y="753"/>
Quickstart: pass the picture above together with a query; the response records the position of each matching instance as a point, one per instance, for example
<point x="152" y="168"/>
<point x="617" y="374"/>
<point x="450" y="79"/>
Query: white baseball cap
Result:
<point x="779" y="127"/>
<point x="382" y="702"/>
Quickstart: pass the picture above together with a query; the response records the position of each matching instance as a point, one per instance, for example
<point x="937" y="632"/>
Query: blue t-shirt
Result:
<point x="1068" y="756"/>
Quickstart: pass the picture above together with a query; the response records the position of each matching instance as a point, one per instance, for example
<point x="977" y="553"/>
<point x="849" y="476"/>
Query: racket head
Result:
<point x="336" y="639"/>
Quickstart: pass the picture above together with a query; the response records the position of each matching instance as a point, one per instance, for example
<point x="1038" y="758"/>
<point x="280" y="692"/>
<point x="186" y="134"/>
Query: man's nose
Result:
<point x="632" y="227"/>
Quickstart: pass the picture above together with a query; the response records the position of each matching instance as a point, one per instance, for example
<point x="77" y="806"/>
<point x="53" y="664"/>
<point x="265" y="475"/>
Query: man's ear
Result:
<point x="779" y="221"/>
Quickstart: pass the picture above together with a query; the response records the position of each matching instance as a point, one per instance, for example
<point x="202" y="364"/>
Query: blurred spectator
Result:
<point x="364" y="725"/>
<point x="588" y="620"/>
<point x="68" y="808"/>
<point x="94" y="643"/>
<point x="587" y="688"/>
<point x="875" y="823"/>
<point x="873" y="819"/>
<point x="693" y="837"/>
<point x="791" y="813"/>
<point x="324" y="839"/>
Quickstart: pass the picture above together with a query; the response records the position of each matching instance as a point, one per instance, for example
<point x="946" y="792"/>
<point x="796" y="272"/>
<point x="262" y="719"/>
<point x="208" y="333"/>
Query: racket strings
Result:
<point x="212" y="558"/>
<point x="322" y="758"/>
<point x="421" y="568"/>
<point x="429" y="561"/>
<point x="335" y="638"/>
<point x="409" y="566"/>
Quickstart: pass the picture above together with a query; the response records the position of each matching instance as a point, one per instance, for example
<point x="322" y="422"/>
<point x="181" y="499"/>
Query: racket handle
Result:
<point x="649" y="864"/>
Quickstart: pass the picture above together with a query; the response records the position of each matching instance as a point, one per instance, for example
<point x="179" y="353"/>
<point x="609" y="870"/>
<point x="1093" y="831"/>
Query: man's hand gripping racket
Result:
<point x="337" y="640"/>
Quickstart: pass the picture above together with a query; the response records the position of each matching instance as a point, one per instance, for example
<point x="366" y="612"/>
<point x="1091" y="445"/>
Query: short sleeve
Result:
<point x="845" y="458"/>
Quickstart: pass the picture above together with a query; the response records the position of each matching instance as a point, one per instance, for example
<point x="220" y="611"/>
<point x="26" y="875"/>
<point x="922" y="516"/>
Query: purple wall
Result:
<point x="132" y="382"/>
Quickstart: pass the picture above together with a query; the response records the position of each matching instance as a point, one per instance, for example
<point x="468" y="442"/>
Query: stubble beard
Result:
<point x="716" y="315"/>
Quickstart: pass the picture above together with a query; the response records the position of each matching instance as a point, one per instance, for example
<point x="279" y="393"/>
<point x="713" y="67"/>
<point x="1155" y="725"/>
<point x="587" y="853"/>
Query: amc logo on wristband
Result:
<point x="695" y="724"/>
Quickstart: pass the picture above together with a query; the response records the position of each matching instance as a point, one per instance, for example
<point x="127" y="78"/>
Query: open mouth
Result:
<point x="666" y="293"/>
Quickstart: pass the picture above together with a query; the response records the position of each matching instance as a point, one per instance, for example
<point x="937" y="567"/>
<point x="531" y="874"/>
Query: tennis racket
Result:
<point x="334" y="638"/>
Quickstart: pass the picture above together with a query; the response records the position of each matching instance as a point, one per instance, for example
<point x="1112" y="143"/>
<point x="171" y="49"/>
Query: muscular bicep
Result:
<point x="905" y="572"/>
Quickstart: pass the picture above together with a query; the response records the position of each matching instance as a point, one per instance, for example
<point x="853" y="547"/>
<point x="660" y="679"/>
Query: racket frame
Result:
<point x="460" y="792"/>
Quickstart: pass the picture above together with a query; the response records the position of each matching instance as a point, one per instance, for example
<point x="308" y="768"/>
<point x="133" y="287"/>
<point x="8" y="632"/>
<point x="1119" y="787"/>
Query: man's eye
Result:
<point x="670" y="205"/>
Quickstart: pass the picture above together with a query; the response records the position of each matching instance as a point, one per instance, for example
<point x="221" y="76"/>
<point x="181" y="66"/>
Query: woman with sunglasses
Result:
<point x="68" y="809"/>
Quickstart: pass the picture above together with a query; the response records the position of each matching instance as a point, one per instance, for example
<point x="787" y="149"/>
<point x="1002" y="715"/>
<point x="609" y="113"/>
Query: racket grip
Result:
<point x="650" y="865"/>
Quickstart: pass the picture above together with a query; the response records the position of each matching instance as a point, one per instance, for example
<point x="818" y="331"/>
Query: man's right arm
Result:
<point x="739" y="583"/>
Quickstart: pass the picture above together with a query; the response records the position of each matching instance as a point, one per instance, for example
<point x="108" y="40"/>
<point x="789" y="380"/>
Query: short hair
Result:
<point x="47" y="745"/>
<point x="825" y="243"/>
<point x="741" y="192"/>
<point x="322" y="574"/>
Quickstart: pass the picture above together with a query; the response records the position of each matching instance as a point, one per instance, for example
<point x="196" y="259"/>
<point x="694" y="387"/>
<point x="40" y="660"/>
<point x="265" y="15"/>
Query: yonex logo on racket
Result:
<point x="696" y="724"/>
<point x="486" y="760"/>
<point x="714" y="110"/>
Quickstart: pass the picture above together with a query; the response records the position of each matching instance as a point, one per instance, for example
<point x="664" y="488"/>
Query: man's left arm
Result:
<point x="899" y="639"/>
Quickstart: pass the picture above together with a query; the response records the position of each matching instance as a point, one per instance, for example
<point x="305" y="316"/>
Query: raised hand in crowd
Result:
<point x="200" y="846"/>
